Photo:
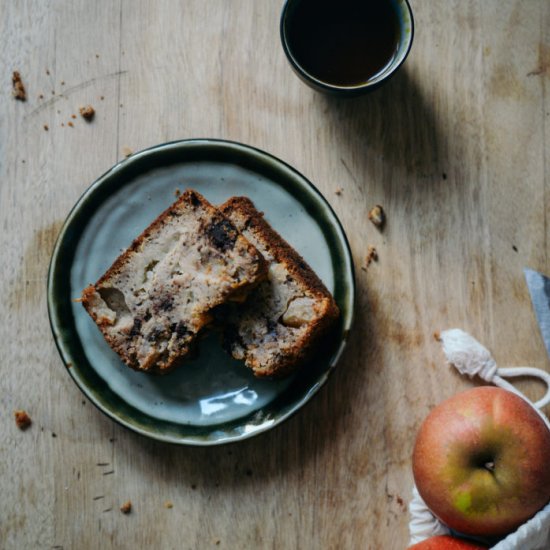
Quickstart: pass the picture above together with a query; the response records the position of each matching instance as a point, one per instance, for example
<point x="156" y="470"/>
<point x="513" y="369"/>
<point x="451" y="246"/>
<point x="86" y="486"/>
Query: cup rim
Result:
<point x="364" y="86"/>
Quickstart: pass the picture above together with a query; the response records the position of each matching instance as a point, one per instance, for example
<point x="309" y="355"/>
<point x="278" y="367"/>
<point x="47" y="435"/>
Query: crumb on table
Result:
<point x="168" y="504"/>
<point x="126" y="508"/>
<point x="46" y="127"/>
<point x="22" y="419"/>
<point x="377" y="216"/>
<point x="126" y="151"/>
<point x="87" y="112"/>
<point x="437" y="336"/>
<point x="18" y="90"/>
<point x="339" y="191"/>
<point x="372" y="256"/>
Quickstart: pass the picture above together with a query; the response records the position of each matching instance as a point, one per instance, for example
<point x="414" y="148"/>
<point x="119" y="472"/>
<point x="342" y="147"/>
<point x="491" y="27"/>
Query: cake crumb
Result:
<point x="73" y="116"/>
<point x="177" y="193"/>
<point x="168" y="504"/>
<point x="70" y="124"/>
<point x="41" y="96"/>
<point x="47" y="72"/>
<point x="46" y="127"/>
<point x="377" y="216"/>
<point x="126" y="151"/>
<point x="126" y="508"/>
<point x="18" y="90"/>
<point x="372" y="256"/>
<point x="102" y="97"/>
<point x="87" y="112"/>
<point x="339" y="191"/>
<point x="22" y="419"/>
<point x="437" y="336"/>
<point x="62" y="83"/>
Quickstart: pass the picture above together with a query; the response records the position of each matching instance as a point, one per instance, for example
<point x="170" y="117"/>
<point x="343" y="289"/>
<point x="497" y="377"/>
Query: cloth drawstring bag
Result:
<point x="469" y="357"/>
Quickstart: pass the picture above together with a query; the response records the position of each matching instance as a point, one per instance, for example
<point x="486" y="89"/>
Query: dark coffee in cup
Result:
<point x="343" y="42"/>
<point x="346" y="46"/>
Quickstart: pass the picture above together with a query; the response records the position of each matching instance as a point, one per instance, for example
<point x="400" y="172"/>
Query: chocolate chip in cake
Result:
<point x="222" y="234"/>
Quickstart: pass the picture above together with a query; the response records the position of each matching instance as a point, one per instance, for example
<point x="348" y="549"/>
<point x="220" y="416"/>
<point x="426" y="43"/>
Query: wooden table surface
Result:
<point x="455" y="148"/>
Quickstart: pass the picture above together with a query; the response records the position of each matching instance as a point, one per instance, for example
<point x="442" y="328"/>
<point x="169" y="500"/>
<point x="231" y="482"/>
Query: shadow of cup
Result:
<point x="400" y="126"/>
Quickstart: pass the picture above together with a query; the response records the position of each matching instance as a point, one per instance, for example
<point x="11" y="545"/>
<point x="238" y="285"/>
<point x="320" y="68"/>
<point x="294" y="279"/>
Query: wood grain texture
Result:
<point x="456" y="149"/>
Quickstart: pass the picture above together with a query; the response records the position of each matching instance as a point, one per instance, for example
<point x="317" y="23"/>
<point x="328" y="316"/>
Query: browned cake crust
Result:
<point x="153" y="301"/>
<point x="264" y="332"/>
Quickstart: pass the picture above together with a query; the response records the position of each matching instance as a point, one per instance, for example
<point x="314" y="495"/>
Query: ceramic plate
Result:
<point x="212" y="399"/>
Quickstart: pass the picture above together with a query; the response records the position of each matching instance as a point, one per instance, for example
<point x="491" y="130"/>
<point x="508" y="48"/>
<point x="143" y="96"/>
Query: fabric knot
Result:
<point x="467" y="355"/>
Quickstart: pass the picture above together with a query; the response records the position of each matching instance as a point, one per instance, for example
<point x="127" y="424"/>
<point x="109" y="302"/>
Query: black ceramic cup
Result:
<point x="346" y="47"/>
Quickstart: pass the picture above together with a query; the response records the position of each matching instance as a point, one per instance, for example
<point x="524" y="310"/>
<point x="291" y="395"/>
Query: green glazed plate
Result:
<point x="212" y="399"/>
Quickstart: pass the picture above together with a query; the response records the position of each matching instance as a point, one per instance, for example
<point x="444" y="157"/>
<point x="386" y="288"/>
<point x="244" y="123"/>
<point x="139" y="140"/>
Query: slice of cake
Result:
<point x="284" y="318"/>
<point x="153" y="301"/>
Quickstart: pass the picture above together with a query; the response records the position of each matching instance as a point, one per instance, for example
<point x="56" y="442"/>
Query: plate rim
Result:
<point x="194" y="440"/>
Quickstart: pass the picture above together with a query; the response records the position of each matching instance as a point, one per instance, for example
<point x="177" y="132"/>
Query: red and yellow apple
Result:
<point x="481" y="461"/>
<point x="446" y="542"/>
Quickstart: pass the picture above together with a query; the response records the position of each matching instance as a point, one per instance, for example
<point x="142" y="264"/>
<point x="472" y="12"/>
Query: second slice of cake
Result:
<point x="285" y="317"/>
